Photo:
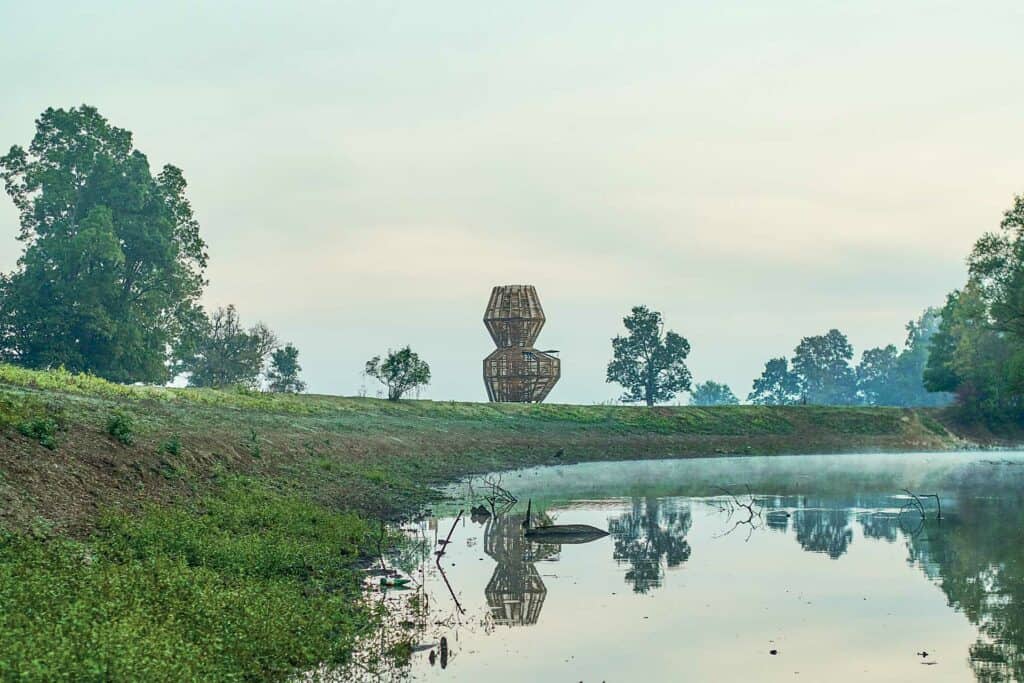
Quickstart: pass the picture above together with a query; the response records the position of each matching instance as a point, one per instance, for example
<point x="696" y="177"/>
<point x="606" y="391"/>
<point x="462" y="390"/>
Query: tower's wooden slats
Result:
<point x="517" y="372"/>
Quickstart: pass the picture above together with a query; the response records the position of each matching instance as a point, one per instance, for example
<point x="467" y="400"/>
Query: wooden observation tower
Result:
<point x="516" y="371"/>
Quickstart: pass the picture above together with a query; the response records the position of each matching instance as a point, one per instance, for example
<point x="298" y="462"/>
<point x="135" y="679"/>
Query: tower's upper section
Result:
<point x="514" y="316"/>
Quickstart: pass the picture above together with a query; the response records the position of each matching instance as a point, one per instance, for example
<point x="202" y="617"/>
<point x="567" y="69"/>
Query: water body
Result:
<point x="807" y="568"/>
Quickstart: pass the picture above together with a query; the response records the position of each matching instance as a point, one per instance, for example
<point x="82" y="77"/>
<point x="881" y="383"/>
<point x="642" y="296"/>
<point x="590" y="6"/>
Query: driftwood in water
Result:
<point x="560" y="533"/>
<point x="565" y="533"/>
<point x="920" y="507"/>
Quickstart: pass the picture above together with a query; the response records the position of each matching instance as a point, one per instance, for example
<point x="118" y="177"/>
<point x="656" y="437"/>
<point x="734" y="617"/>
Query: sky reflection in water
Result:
<point x="835" y="573"/>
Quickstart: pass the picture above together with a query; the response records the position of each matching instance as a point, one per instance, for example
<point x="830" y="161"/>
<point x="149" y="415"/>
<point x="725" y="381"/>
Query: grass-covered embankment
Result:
<point x="156" y="531"/>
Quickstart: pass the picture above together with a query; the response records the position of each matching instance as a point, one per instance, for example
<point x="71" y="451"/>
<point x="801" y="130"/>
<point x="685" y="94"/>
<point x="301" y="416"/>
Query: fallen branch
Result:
<point x="920" y="506"/>
<point x="733" y="503"/>
<point x="448" y="538"/>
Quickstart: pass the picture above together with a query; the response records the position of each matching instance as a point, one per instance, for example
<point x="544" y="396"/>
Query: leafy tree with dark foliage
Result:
<point x="978" y="350"/>
<point x="401" y="372"/>
<point x="777" y="385"/>
<point x="823" y="366"/>
<point x="875" y="375"/>
<point x="283" y="375"/>
<point x="113" y="261"/>
<point x="649" y="362"/>
<point x="713" y="394"/>
<point x="975" y="360"/>
<point x="225" y="354"/>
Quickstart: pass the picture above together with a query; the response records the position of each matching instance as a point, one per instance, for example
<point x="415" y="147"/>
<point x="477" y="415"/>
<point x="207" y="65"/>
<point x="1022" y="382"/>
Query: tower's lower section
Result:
<point x="520" y="374"/>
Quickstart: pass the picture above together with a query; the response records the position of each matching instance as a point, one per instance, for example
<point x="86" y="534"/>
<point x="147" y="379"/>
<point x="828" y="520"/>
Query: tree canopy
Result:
<point x="890" y="377"/>
<point x="978" y="348"/>
<point x="823" y="365"/>
<point x="649" y="362"/>
<point x="283" y="375"/>
<point x="821" y="372"/>
<point x="400" y="372"/>
<point x="777" y="385"/>
<point x="713" y="394"/>
<point x="224" y="354"/>
<point x="113" y="262"/>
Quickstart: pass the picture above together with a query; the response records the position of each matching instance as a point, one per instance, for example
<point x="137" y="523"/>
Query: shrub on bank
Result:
<point x="121" y="426"/>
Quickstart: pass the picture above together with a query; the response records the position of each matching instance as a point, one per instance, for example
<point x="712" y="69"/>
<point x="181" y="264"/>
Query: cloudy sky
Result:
<point x="365" y="172"/>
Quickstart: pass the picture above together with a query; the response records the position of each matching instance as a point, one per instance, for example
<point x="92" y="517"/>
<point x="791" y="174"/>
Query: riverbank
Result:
<point x="101" y="445"/>
<point x="152" y="531"/>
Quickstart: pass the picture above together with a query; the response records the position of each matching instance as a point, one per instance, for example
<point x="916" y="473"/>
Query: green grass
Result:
<point x="726" y="420"/>
<point x="254" y="585"/>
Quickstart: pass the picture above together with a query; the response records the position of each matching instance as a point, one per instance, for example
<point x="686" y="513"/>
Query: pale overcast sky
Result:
<point x="365" y="172"/>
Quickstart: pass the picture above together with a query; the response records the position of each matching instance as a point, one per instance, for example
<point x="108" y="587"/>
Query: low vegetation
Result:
<point x="254" y="585"/>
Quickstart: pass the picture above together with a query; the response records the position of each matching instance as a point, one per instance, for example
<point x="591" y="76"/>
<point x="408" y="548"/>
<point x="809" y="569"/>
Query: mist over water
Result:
<point x="777" y="475"/>
<point x="748" y="568"/>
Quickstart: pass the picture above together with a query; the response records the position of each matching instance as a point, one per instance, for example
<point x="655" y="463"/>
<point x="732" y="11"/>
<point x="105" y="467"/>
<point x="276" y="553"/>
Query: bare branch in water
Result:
<point x="916" y="497"/>
<point x="733" y="504"/>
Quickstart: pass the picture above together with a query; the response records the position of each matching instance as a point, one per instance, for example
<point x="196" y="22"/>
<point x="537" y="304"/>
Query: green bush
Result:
<point x="42" y="428"/>
<point x="121" y="426"/>
<point x="32" y="417"/>
<point x="172" y="446"/>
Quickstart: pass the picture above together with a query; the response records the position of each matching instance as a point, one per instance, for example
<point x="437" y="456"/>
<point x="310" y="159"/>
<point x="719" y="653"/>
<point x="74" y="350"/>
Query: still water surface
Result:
<point x="711" y="565"/>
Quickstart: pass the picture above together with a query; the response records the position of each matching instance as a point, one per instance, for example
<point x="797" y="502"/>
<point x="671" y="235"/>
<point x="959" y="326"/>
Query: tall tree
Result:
<point x="401" y="371"/>
<point x="877" y="376"/>
<point x="996" y="266"/>
<point x="283" y="375"/>
<point x="914" y="359"/>
<point x="649" y="362"/>
<point x="713" y="394"/>
<point x="974" y="358"/>
<point x="823" y="364"/>
<point x="113" y="261"/>
<point x="939" y="373"/>
<point x="777" y="385"/>
<point x="225" y="354"/>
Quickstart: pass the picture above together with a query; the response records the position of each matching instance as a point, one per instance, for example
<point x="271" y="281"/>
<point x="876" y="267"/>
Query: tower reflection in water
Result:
<point x="516" y="592"/>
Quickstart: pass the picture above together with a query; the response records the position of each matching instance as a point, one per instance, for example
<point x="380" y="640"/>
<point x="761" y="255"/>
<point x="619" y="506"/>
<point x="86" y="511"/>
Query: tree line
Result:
<point x="970" y="352"/>
<point x="113" y="268"/>
<point x="650" y="363"/>
<point x="821" y="372"/>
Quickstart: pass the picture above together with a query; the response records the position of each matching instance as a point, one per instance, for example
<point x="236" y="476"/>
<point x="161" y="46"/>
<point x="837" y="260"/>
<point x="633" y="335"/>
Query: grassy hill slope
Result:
<point x="73" y="445"/>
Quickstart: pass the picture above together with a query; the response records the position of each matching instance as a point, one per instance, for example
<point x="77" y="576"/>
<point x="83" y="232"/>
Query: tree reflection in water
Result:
<point x="823" y="530"/>
<point x="974" y="555"/>
<point x="977" y="559"/>
<point x="649" y="538"/>
<point x="880" y="525"/>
